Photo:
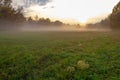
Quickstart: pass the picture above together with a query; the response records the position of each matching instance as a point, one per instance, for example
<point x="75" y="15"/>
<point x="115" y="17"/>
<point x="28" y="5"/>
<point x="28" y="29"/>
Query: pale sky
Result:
<point x="74" y="10"/>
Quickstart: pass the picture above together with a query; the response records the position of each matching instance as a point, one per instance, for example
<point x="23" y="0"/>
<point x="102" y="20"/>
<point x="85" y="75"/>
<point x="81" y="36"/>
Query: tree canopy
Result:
<point x="9" y="17"/>
<point x="115" y="17"/>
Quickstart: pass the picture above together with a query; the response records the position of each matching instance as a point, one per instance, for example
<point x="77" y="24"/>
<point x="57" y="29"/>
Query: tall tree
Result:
<point x="7" y="2"/>
<point x="115" y="17"/>
<point x="8" y="15"/>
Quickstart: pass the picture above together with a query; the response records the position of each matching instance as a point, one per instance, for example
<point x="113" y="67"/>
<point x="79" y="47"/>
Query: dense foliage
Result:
<point x="9" y="17"/>
<point x="115" y="17"/>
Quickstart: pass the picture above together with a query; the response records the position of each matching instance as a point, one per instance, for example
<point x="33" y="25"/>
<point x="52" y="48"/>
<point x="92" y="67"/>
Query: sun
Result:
<point x="83" y="21"/>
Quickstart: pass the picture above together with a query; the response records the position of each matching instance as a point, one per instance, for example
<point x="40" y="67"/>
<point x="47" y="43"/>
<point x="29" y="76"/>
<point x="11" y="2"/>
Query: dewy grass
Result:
<point x="60" y="56"/>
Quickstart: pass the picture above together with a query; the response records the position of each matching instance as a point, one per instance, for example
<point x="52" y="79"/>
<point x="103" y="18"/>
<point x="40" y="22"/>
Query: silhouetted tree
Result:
<point x="8" y="15"/>
<point x="58" y="23"/>
<point x="45" y="22"/>
<point x="7" y="3"/>
<point x="36" y="18"/>
<point x="115" y="17"/>
<point x="30" y="19"/>
<point x="103" y="24"/>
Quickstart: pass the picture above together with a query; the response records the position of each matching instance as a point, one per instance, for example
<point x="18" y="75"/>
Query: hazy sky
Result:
<point x="76" y="10"/>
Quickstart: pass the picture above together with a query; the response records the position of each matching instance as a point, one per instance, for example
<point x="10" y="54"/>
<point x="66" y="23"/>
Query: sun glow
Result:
<point x="73" y="10"/>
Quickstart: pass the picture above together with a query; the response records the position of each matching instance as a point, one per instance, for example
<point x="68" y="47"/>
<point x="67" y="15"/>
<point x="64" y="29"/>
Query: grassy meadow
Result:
<point x="59" y="56"/>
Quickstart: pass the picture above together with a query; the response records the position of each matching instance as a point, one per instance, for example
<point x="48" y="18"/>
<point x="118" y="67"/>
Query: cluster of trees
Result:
<point x="47" y="22"/>
<point x="113" y="20"/>
<point x="43" y="22"/>
<point x="103" y="24"/>
<point x="8" y="15"/>
<point x="11" y="18"/>
<point x="115" y="17"/>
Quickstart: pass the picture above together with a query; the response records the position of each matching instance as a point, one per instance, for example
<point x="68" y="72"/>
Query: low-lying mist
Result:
<point x="51" y="28"/>
<point x="61" y="28"/>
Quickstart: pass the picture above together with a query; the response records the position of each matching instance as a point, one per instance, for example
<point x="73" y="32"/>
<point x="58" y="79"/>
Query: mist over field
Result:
<point x="52" y="40"/>
<point x="63" y="28"/>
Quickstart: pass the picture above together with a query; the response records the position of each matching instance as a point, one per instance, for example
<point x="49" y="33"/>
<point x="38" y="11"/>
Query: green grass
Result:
<point x="48" y="55"/>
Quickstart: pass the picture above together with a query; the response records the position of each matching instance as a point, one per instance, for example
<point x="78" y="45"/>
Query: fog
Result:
<point x="61" y="28"/>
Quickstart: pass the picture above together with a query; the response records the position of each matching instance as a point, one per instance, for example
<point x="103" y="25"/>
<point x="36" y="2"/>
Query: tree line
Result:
<point x="103" y="24"/>
<point x="47" y="22"/>
<point x="11" y="18"/>
<point x="43" y="22"/>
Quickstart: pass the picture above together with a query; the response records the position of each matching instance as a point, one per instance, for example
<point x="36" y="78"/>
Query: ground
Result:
<point x="59" y="55"/>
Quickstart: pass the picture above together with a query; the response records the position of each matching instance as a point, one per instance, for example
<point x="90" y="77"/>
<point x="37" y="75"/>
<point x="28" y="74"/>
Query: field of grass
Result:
<point x="60" y="56"/>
